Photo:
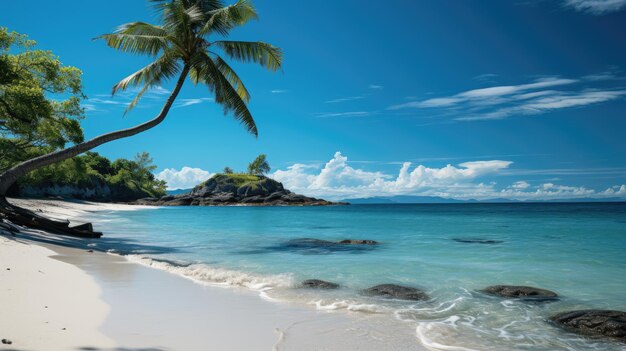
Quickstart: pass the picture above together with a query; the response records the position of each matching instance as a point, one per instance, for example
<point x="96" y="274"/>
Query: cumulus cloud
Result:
<point x="596" y="7"/>
<point x="337" y="179"/>
<point x="185" y="178"/>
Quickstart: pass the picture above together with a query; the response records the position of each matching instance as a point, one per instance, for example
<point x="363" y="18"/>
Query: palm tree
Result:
<point x="182" y="47"/>
<point x="259" y="166"/>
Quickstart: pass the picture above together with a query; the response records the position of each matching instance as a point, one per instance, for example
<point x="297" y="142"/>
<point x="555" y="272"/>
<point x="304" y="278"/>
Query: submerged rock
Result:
<point x="318" y="284"/>
<point x="603" y="323"/>
<point x="359" y="242"/>
<point x="397" y="292"/>
<point x="524" y="292"/>
<point x="319" y="246"/>
<point x="477" y="241"/>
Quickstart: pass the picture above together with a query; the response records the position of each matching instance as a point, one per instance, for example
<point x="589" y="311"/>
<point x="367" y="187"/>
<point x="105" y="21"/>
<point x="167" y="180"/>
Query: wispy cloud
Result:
<point x="375" y="86"/>
<point x="556" y="100"/>
<point x="278" y="91"/>
<point x="190" y="102"/>
<point x="539" y="96"/>
<point x="596" y="7"/>
<point x="351" y="98"/>
<point x="338" y="179"/>
<point x="343" y="114"/>
<point x="486" y="77"/>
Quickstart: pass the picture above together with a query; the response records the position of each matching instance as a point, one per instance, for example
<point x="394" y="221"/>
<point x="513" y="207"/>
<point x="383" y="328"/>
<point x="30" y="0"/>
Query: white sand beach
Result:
<point x="55" y="297"/>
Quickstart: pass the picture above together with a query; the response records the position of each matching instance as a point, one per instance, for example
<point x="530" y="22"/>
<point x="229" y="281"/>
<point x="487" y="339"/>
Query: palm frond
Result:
<point x="264" y="54"/>
<point x="225" y="94"/>
<point x="163" y="68"/>
<point x="223" y="19"/>
<point x="233" y="78"/>
<point x="137" y="38"/>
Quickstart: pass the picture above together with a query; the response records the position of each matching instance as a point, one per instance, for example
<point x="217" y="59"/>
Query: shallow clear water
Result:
<point x="577" y="250"/>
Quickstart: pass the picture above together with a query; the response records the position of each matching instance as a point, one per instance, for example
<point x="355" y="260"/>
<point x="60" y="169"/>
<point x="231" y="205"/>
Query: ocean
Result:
<point x="450" y="251"/>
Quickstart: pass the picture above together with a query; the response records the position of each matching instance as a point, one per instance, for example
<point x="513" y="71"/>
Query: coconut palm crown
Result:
<point x="183" y="45"/>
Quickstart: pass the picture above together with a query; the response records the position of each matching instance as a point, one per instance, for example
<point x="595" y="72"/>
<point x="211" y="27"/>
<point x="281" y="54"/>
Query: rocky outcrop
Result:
<point x="598" y="323"/>
<point x="523" y="292"/>
<point x="318" y="284"/>
<point x="237" y="189"/>
<point x="397" y="292"/>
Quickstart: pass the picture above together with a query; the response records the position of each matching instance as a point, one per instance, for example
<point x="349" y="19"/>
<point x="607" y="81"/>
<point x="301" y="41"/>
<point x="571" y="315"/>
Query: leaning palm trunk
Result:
<point x="13" y="174"/>
<point x="25" y="217"/>
<point x="182" y="41"/>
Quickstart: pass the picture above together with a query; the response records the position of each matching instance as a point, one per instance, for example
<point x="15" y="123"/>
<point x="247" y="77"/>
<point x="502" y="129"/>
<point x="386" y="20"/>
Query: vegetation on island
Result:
<point x="183" y="47"/>
<point x="94" y="177"/>
<point x="259" y="166"/>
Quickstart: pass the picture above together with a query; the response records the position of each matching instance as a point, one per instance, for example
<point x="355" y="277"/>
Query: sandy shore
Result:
<point x="106" y="302"/>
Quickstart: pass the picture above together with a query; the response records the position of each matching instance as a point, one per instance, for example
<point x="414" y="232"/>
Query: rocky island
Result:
<point x="237" y="189"/>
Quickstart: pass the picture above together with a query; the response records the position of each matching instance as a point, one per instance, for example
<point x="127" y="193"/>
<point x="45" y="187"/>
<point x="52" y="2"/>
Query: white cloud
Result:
<point x="107" y="101"/>
<point x="351" y="98"/>
<point x="184" y="178"/>
<point x="90" y="107"/>
<point x="596" y="7"/>
<point x="343" y="114"/>
<point x="190" y="102"/>
<point x="520" y="185"/>
<point x="337" y="179"/>
<point x="278" y="91"/>
<point x="543" y="104"/>
<point x="375" y="87"/>
<point x="537" y="97"/>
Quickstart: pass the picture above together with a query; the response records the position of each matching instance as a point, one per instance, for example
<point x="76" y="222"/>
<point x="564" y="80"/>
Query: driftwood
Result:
<point x="30" y="219"/>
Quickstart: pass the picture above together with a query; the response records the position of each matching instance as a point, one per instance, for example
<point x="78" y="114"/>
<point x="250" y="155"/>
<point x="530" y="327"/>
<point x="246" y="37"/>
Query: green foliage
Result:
<point x="39" y="101"/>
<point x="127" y="179"/>
<point x="184" y="40"/>
<point x="259" y="166"/>
<point x="228" y="170"/>
<point x="238" y="179"/>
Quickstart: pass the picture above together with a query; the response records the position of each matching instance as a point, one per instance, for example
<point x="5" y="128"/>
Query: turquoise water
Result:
<point x="577" y="250"/>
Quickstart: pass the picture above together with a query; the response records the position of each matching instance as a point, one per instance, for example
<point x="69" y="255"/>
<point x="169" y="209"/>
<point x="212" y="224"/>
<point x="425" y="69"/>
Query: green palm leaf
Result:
<point x="137" y="38"/>
<point x="264" y="54"/>
<point x="225" y="94"/>
<point x="223" y="19"/>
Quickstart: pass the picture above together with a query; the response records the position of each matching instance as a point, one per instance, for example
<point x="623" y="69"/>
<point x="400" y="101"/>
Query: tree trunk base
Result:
<point x="30" y="219"/>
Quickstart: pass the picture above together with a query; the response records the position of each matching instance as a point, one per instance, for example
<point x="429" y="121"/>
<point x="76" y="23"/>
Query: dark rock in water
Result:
<point x="318" y="246"/>
<point x="234" y="189"/>
<point x="319" y="284"/>
<point x="397" y="292"/>
<point x="358" y="242"/>
<point x="477" y="241"/>
<point x="85" y="226"/>
<point x="523" y="292"/>
<point x="599" y="323"/>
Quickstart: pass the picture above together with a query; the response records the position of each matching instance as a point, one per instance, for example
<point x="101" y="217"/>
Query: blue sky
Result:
<point x="517" y="99"/>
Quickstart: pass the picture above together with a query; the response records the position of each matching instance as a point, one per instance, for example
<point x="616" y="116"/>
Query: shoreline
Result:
<point x="156" y="309"/>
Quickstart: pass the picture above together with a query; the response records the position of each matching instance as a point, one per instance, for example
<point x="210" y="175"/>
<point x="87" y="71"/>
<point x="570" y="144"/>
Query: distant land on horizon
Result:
<point x="408" y="199"/>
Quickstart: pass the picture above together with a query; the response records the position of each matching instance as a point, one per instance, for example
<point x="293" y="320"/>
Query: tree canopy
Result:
<point x="39" y="100"/>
